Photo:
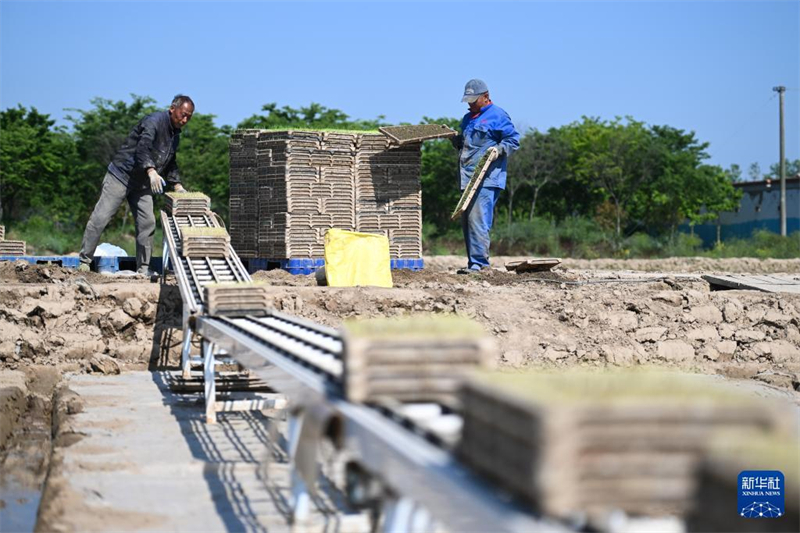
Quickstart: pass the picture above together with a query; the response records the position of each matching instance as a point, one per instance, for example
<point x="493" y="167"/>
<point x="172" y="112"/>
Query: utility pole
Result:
<point x="780" y="90"/>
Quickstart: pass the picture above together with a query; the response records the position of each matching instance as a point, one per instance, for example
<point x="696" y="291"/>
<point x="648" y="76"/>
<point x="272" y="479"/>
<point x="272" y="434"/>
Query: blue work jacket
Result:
<point x="491" y="127"/>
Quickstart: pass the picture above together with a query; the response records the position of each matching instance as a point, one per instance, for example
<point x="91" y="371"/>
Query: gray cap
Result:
<point x="473" y="89"/>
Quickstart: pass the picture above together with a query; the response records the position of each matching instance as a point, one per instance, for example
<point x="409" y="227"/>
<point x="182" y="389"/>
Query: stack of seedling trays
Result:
<point x="389" y="194"/>
<point x="303" y="187"/>
<point x="236" y="299"/>
<point x="734" y="456"/>
<point x="244" y="192"/>
<point x="417" y="359"/>
<point x="187" y="203"/>
<point x="577" y="443"/>
<point x="204" y="242"/>
<point x="10" y="247"/>
<point x="289" y="187"/>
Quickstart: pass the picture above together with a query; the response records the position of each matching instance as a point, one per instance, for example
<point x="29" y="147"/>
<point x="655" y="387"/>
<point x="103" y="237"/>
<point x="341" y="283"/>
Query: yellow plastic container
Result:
<point x="353" y="259"/>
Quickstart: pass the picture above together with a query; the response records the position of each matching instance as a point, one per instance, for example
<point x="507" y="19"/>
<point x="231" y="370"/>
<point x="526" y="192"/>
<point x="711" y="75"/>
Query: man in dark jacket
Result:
<point x="134" y="175"/>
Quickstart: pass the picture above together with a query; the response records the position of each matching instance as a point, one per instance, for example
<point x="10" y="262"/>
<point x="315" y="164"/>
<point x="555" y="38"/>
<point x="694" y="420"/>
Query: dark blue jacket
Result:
<point x="492" y="127"/>
<point x="153" y="142"/>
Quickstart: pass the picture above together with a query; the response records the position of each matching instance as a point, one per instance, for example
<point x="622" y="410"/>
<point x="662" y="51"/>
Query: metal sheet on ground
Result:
<point x="533" y="265"/>
<point x="767" y="283"/>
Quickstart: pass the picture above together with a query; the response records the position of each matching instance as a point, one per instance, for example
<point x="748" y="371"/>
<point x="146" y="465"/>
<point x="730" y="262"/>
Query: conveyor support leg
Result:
<point x="301" y="500"/>
<point x="209" y="382"/>
<point x="186" y="364"/>
<point x="403" y="515"/>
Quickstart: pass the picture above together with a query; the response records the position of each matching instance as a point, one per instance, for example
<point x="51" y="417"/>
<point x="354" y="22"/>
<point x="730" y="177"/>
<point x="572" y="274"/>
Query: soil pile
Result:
<point x="556" y="319"/>
<point x="571" y="318"/>
<point x="52" y="315"/>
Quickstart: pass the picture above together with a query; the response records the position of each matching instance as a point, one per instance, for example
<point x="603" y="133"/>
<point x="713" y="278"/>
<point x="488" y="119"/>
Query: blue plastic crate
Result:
<point x="112" y="265"/>
<point x="408" y="264"/>
<point x="293" y="266"/>
<point x="60" y="260"/>
<point x="307" y="266"/>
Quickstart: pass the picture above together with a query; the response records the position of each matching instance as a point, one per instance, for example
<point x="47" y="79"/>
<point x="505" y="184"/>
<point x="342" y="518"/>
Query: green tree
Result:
<point x="792" y="169"/>
<point x="99" y="132"/>
<point x="540" y="160"/>
<point x="313" y="116"/>
<point x="204" y="162"/>
<point x="439" y="177"/>
<point x="35" y="164"/>
<point x="734" y="173"/>
<point x="683" y="187"/>
<point x="755" y="171"/>
<point x="613" y="158"/>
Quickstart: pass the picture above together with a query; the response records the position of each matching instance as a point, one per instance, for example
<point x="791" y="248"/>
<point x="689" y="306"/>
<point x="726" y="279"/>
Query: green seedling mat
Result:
<point x="412" y="134"/>
<point x="475" y="183"/>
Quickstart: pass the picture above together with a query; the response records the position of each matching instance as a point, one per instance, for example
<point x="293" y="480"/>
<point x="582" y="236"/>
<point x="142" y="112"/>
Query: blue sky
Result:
<point x="708" y="67"/>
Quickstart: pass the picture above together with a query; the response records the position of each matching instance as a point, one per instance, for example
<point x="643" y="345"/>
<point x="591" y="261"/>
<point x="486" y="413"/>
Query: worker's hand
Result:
<point x="157" y="183"/>
<point x="457" y="141"/>
<point x="500" y="150"/>
<point x="178" y="188"/>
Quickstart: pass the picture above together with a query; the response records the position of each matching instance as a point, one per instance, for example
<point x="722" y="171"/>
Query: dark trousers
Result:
<point x="141" y="204"/>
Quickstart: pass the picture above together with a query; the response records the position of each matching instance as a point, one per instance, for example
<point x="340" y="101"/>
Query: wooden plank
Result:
<point x="783" y="284"/>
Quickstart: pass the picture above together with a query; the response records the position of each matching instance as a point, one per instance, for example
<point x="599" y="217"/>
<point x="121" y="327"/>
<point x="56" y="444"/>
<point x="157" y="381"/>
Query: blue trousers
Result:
<point x="476" y="223"/>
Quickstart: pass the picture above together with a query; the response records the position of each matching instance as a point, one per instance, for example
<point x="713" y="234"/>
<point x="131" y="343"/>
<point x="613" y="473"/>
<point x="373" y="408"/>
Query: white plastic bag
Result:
<point x="109" y="250"/>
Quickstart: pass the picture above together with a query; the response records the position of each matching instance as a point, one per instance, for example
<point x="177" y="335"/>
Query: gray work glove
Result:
<point x="500" y="150"/>
<point x="157" y="183"/>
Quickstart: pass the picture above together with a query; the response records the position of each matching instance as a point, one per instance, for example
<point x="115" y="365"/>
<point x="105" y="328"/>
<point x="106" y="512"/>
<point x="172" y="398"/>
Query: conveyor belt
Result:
<point x="193" y="273"/>
<point x="406" y="445"/>
<point x="304" y="363"/>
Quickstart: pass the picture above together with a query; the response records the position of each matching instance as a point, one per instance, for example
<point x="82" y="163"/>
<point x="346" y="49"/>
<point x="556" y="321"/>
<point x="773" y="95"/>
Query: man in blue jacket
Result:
<point x="135" y="174"/>
<point x="485" y="126"/>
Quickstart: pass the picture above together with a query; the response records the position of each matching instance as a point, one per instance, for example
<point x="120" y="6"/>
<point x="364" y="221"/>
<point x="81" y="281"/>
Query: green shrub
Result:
<point x="763" y="244"/>
<point x="46" y="237"/>
<point x="684" y="245"/>
<point x="640" y="245"/>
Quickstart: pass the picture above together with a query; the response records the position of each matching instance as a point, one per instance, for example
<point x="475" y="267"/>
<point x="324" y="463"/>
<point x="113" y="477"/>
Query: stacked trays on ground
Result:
<point x="236" y="299"/>
<point x="289" y="187"/>
<point x="591" y="443"/>
<point x="418" y="359"/>
<point x="389" y="194"/>
<point x="244" y="193"/>
<point x="12" y="247"/>
<point x="305" y="187"/>
<point x="187" y="203"/>
<point x="204" y="242"/>
<point x="716" y="506"/>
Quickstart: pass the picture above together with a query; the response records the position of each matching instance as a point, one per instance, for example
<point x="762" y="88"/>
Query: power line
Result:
<point x="746" y="123"/>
